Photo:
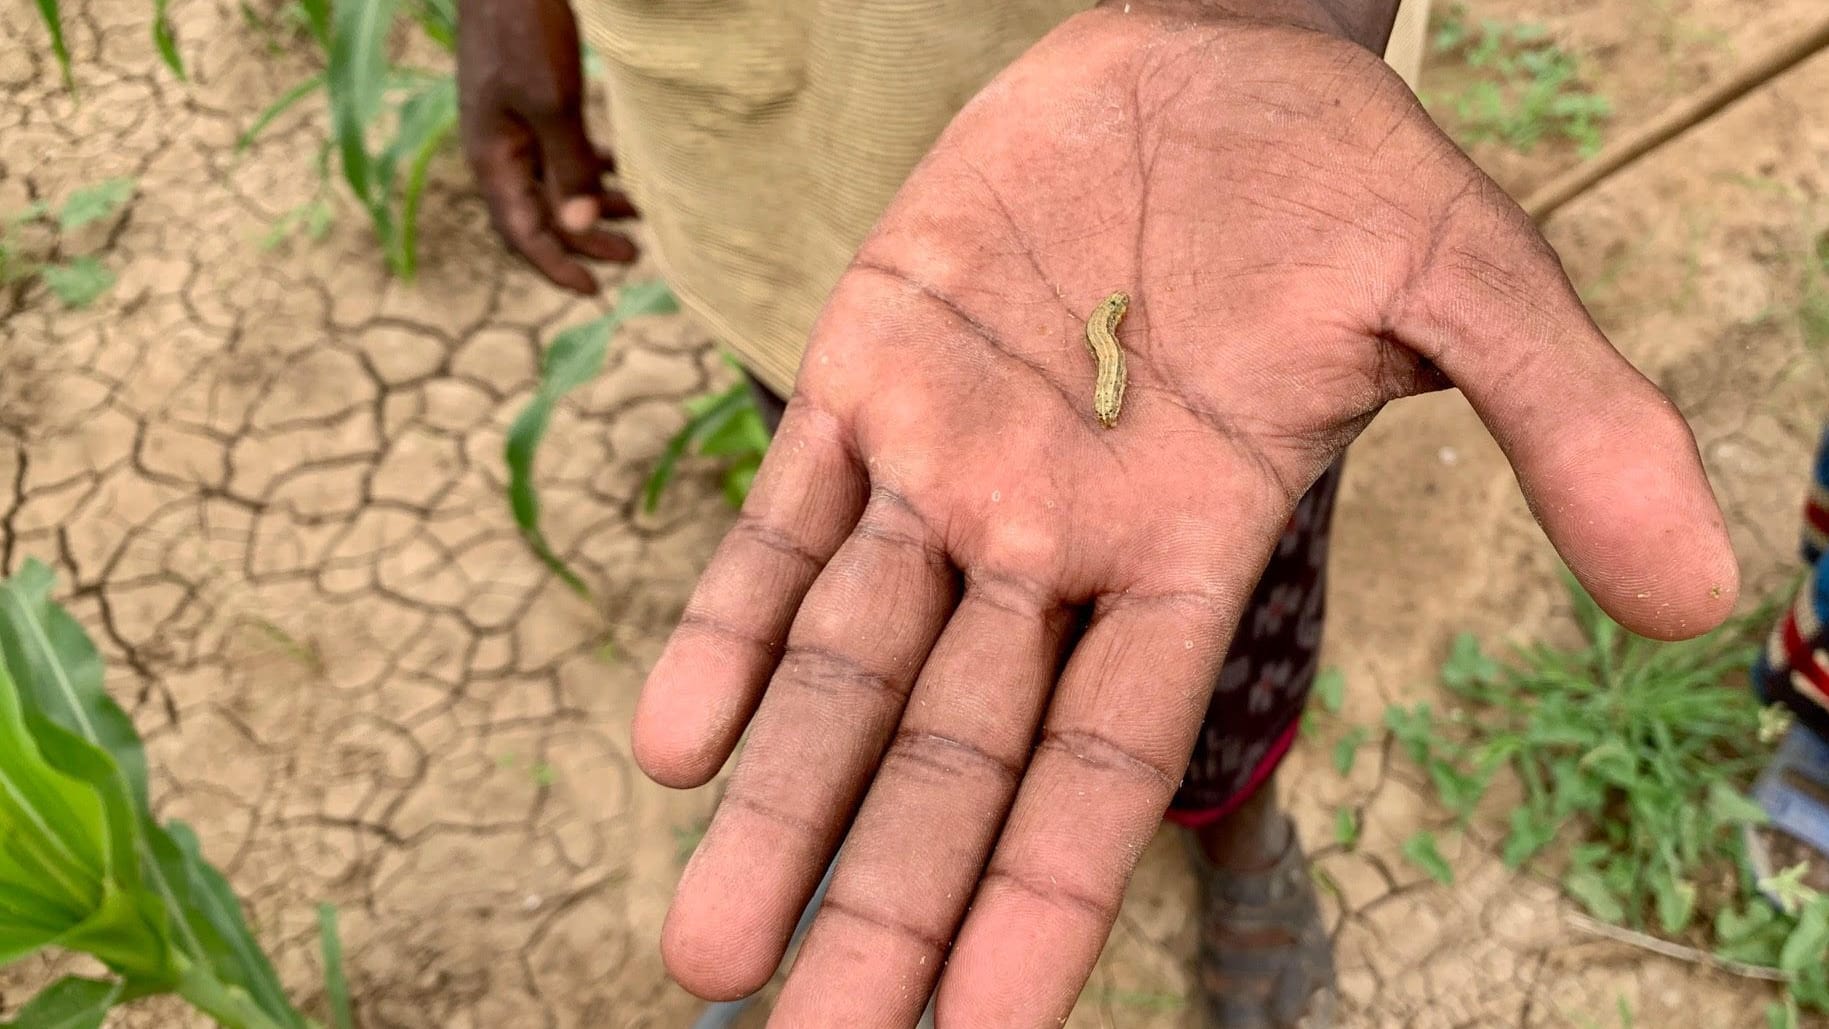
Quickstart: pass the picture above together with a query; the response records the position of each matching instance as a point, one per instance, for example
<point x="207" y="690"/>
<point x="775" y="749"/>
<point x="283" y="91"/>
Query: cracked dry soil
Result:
<point x="271" y="483"/>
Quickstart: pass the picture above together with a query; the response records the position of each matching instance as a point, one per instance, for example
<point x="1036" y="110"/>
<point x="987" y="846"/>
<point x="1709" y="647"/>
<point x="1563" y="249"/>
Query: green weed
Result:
<point x="86" y="867"/>
<point x="1632" y="758"/>
<point x="574" y="358"/>
<point x="1525" y="87"/>
<point x="78" y="280"/>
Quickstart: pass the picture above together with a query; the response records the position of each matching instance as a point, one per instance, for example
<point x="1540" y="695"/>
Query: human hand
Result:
<point x="520" y="100"/>
<point x="987" y="626"/>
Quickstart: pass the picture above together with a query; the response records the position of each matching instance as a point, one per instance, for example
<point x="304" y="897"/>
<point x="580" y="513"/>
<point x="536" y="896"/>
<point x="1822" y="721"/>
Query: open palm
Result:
<point x="960" y="611"/>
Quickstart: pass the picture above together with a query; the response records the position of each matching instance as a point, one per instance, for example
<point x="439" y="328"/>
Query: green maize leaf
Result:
<point x="46" y="649"/>
<point x="439" y="20"/>
<point x="357" y="75"/>
<point x="317" y="17"/>
<point x="94" y="202"/>
<point x="721" y="407"/>
<point x="52" y="15"/>
<point x="739" y="477"/>
<point x="427" y="119"/>
<point x="742" y="434"/>
<point x="574" y="358"/>
<point x="69" y="1003"/>
<point x="166" y="39"/>
<point x="213" y="916"/>
<point x="336" y="988"/>
<point x="79" y="282"/>
<point x="67" y="864"/>
<point x="59" y="673"/>
<point x="286" y="102"/>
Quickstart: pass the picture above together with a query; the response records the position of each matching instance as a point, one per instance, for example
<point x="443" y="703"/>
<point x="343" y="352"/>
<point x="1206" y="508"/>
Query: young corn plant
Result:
<point x="724" y="426"/>
<point x="84" y="865"/>
<point x="1632" y="757"/>
<point x="370" y="96"/>
<point x="164" y="39"/>
<point x="1525" y="88"/>
<point x="574" y="358"/>
<point x="76" y="280"/>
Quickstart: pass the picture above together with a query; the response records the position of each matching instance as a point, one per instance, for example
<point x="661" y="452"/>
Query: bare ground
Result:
<point x="271" y="482"/>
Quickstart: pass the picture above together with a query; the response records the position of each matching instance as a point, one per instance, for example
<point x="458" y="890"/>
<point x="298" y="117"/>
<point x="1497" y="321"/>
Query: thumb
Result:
<point x="574" y="173"/>
<point x="1605" y="460"/>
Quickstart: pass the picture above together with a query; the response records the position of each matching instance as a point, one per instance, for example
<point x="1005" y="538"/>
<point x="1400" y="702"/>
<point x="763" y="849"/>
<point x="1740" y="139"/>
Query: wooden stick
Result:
<point x="1674" y="121"/>
<point x="1645" y="941"/>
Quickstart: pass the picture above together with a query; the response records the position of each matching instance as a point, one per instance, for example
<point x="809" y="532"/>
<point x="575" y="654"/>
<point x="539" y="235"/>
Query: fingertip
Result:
<point x="1695" y="596"/>
<point x="681" y="737"/>
<point x="603" y="246"/>
<point x="570" y="275"/>
<point x="709" y="954"/>
<point x="577" y="214"/>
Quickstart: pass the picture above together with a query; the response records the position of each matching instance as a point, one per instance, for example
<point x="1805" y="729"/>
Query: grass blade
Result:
<point x="336" y="987"/>
<point x="574" y="358"/>
<point x="52" y="15"/>
<point x="166" y="39"/>
<point x="286" y="102"/>
<point x="69" y="1003"/>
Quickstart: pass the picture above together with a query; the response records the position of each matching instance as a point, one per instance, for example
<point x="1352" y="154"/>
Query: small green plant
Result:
<point x="574" y="358"/>
<point x="1632" y="758"/>
<point x="726" y="426"/>
<point x="76" y="281"/>
<point x="164" y="39"/>
<point x="369" y="95"/>
<point x="85" y="867"/>
<point x="1525" y="89"/>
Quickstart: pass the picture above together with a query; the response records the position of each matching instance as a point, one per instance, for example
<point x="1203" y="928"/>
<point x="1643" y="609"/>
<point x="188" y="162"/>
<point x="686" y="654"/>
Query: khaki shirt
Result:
<point x="762" y="138"/>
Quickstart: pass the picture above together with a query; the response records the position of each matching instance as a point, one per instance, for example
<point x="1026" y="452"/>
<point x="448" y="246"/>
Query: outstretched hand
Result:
<point x="960" y="611"/>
